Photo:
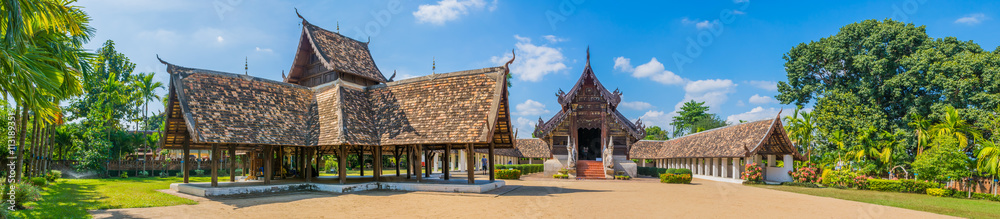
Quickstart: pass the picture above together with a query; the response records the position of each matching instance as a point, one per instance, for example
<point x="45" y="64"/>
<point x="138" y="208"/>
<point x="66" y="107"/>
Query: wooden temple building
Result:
<point x="334" y="101"/>
<point x="592" y="140"/>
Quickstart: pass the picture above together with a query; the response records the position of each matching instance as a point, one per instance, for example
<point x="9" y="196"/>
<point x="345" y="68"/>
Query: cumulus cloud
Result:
<point x="530" y="108"/>
<point x="714" y="92"/>
<point x="972" y="19"/>
<point x="766" y="85"/>
<point x="653" y="70"/>
<point x="524" y="127"/>
<point x="219" y="39"/>
<point x="533" y="61"/>
<point x="448" y="10"/>
<point x="636" y="105"/>
<point x="755" y="114"/>
<point x="658" y="118"/>
<point x="760" y="100"/>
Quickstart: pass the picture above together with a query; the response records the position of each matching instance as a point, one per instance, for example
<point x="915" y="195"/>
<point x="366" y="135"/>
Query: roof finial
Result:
<point x="433" y="65"/>
<point x="507" y="65"/>
<point x="246" y="66"/>
<point x="338" y="28"/>
<point x="393" y="75"/>
<point x="588" y="54"/>
<point x="300" y="16"/>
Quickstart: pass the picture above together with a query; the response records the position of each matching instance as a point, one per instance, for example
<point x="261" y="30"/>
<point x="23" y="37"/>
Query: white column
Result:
<point x="701" y="166"/>
<point x="770" y="161"/>
<point x="722" y="167"/>
<point x="461" y="160"/>
<point x="736" y="168"/>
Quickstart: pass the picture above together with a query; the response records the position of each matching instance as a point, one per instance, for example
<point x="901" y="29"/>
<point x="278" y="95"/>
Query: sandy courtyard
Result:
<point x="537" y="198"/>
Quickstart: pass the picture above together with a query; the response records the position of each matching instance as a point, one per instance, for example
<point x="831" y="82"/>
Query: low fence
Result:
<point x="132" y="165"/>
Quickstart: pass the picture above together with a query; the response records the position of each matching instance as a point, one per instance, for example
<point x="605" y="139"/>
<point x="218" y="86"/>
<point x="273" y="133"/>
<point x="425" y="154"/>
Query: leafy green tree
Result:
<point x="656" y="133"/>
<point x="955" y="126"/>
<point x="988" y="154"/>
<point x="694" y="117"/>
<point x="942" y="162"/>
<point x="802" y="131"/>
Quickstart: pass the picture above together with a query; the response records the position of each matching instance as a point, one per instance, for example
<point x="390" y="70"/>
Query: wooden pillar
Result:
<point x="361" y="160"/>
<point x="395" y="154"/>
<point x="409" y="161"/>
<point x="319" y="161"/>
<point x="491" y="158"/>
<point x="215" y="165"/>
<point x="185" y="162"/>
<point x="232" y="163"/>
<point x="446" y="165"/>
<point x="308" y="162"/>
<point x="342" y="163"/>
<point x="470" y="161"/>
<point x="268" y="167"/>
<point x="427" y="161"/>
<point x="377" y="159"/>
<point x="416" y="162"/>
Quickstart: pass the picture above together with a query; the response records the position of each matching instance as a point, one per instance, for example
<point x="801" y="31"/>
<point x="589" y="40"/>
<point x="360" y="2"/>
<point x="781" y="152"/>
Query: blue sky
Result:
<point x="726" y="53"/>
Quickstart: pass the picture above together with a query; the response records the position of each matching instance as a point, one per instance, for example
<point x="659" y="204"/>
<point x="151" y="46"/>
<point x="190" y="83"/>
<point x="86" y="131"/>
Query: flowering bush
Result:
<point x="805" y="174"/>
<point x="938" y="192"/>
<point x="507" y="174"/>
<point x="753" y="173"/>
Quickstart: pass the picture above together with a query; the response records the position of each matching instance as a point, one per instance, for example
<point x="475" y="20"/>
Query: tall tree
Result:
<point x="802" y="130"/>
<point x="656" y="133"/>
<point x="691" y="112"/>
<point x="147" y="91"/>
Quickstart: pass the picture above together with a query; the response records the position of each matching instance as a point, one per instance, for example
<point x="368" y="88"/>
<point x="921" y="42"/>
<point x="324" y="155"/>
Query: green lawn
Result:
<point x="71" y="198"/>
<point x="948" y="206"/>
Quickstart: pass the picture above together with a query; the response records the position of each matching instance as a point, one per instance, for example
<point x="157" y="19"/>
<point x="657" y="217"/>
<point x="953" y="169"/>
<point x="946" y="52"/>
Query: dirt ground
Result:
<point x="537" y="198"/>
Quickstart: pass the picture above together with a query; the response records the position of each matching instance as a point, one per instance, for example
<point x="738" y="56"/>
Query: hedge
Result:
<point x="675" y="178"/>
<point x="508" y="174"/>
<point x="656" y="172"/>
<point x="905" y="185"/>
<point x="524" y="168"/>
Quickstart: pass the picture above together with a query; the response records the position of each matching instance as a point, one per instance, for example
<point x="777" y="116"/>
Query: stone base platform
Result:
<point x="256" y="187"/>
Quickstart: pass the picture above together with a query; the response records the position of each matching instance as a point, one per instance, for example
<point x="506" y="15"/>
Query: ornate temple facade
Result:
<point x="588" y="131"/>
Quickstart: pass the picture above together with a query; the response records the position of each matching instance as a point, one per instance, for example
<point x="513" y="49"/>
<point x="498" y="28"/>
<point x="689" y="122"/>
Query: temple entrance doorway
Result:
<point x="589" y="147"/>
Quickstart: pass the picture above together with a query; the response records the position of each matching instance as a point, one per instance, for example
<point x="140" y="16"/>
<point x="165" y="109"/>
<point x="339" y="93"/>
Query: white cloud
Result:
<point x="700" y="24"/>
<point x="493" y="6"/>
<point x="766" y="85"/>
<point x="636" y="105"/>
<point x="264" y="50"/>
<point x="972" y="19"/>
<point x="533" y="61"/>
<point x="760" y="100"/>
<point x="524" y="127"/>
<point x="553" y="38"/>
<point x="755" y="114"/>
<point x="714" y="92"/>
<point x="219" y="39"/>
<point x="623" y="64"/>
<point x="448" y="10"/>
<point x="740" y="1"/>
<point x="658" y="118"/>
<point x="653" y="70"/>
<point x="530" y="108"/>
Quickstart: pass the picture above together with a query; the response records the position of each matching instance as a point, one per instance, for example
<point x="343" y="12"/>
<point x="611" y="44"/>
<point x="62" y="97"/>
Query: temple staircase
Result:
<point x="589" y="169"/>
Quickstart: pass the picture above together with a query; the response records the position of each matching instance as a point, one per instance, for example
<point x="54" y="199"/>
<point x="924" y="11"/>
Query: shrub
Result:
<point x="143" y="173"/>
<point x="801" y="184"/>
<point x="844" y="179"/>
<point x="23" y="192"/>
<point x="239" y="171"/>
<point x="805" y="174"/>
<point x="124" y="175"/>
<point x="885" y="185"/>
<point x="180" y="174"/>
<point x="38" y="181"/>
<point x="678" y="171"/>
<point x="199" y="172"/>
<point x="508" y="174"/>
<point x="560" y="176"/>
<point x="675" y="178"/>
<point x="164" y="174"/>
<point x="753" y="173"/>
<point x="916" y="186"/>
<point x="939" y="192"/>
<point x="53" y="175"/>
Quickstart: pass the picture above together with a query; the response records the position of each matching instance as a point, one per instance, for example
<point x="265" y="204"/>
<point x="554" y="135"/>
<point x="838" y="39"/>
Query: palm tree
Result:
<point x="802" y="130"/>
<point x="41" y="57"/>
<point x="147" y="92"/>
<point x="921" y="126"/>
<point x="954" y="125"/>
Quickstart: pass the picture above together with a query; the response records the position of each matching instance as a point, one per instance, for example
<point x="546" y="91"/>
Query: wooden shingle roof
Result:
<point x="523" y="148"/>
<point x="340" y="53"/>
<point x="741" y="140"/>
<point x="460" y="107"/>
